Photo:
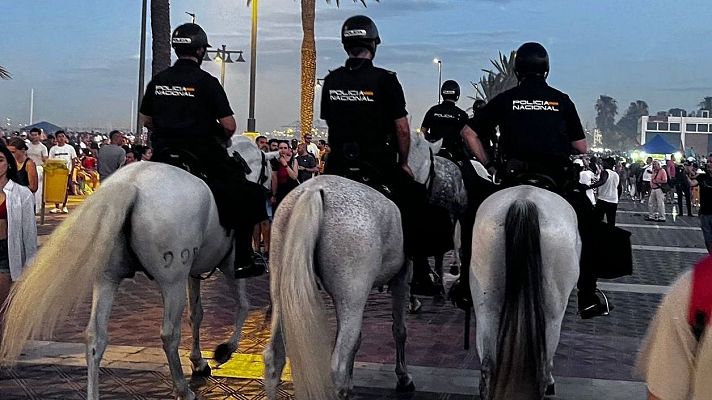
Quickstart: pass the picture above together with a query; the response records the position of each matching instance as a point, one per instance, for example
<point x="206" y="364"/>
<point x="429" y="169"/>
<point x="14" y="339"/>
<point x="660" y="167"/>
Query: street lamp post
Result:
<point x="251" y="122"/>
<point x="223" y="57"/>
<point x="440" y="76"/>
<point x="141" y="69"/>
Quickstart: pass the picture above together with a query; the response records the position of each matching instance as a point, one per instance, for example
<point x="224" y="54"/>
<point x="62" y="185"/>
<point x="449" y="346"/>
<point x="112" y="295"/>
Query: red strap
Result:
<point x="701" y="300"/>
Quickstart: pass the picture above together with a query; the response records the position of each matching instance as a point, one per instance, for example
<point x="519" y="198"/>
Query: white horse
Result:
<point x="146" y="215"/>
<point x="346" y="237"/>
<point x="525" y="263"/>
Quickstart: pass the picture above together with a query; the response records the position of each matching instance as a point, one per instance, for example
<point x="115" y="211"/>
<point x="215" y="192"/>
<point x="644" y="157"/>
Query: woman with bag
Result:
<point x="656" y="202"/>
<point x="18" y="230"/>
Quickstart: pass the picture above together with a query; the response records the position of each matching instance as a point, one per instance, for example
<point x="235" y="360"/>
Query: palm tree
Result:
<point x="494" y="83"/>
<point x="606" y="109"/>
<point x="706" y="104"/>
<point x="4" y="74"/>
<point x="308" y="75"/>
<point x="308" y="63"/>
<point x="161" y="33"/>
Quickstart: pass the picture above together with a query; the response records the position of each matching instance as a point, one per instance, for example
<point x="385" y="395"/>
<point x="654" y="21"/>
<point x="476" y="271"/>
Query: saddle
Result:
<point x="182" y="159"/>
<point x="522" y="173"/>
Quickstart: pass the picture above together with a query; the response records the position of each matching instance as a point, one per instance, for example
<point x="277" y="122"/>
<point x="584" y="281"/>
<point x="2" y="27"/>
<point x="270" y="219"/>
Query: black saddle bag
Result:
<point x="613" y="253"/>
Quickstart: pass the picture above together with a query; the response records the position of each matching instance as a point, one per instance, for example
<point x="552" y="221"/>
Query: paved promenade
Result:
<point x="594" y="360"/>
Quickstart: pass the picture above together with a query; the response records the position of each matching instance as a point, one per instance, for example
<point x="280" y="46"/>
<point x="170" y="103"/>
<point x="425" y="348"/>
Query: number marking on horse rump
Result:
<point x="168" y="258"/>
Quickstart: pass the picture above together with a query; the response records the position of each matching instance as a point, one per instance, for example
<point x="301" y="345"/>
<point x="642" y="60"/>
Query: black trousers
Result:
<point x="604" y="208"/>
<point x="683" y="190"/>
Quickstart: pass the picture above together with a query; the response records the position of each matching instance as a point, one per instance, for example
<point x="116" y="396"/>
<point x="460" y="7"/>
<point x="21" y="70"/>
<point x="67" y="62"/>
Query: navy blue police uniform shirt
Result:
<point x="360" y="103"/>
<point x="445" y="121"/>
<point x="185" y="102"/>
<point x="535" y="121"/>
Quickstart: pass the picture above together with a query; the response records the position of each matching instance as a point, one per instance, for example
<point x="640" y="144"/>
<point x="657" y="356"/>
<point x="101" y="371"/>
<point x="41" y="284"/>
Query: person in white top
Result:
<point x="37" y="151"/>
<point x="607" y="202"/>
<point x="312" y="148"/>
<point x="647" y="176"/>
<point x="18" y="230"/>
<point x="63" y="151"/>
<point x="586" y="177"/>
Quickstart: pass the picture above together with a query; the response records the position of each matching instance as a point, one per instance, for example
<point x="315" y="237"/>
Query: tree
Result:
<point x="706" y="104"/>
<point x="677" y="112"/>
<point x="627" y="126"/>
<point x="4" y="74"/>
<point x="606" y="111"/>
<point x="161" y="33"/>
<point x="494" y="83"/>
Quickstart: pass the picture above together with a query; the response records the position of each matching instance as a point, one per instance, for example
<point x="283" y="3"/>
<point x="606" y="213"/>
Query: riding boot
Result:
<point x="248" y="264"/>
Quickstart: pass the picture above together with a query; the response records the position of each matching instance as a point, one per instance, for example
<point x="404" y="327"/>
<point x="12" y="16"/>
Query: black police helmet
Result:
<point x="189" y="37"/>
<point x="360" y="31"/>
<point x="531" y="60"/>
<point x="450" y="90"/>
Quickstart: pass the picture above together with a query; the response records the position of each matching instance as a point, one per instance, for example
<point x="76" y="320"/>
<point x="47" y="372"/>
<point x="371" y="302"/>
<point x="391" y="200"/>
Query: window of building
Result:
<point x="691" y="127"/>
<point x="674" y="126"/>
<point x="662" y="126"/>
<point x="703" y="128"/>
<point x="652" y="126"/>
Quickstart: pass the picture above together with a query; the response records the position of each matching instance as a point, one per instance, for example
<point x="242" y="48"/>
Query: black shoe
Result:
<point x="598" y="308"/>
<point x="255" y="267"/>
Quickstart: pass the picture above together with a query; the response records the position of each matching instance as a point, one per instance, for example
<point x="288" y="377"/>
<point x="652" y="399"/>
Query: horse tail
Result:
<point x="64" y="270"/>
<point x="519" y="370"/>
<point x="294" y="290"/>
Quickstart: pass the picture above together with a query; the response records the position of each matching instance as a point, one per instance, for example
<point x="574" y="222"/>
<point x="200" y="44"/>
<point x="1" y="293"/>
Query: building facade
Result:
<point x="688" y="133"/>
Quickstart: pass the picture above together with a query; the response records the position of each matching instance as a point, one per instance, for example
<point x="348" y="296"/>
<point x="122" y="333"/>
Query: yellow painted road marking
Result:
<point x="247" y="366"/>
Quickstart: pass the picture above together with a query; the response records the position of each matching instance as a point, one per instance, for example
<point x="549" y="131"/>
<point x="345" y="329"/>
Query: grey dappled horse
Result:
<point x="525" y="263"/>
<point x="146" y="214"/>
<point x="347" y="237"/>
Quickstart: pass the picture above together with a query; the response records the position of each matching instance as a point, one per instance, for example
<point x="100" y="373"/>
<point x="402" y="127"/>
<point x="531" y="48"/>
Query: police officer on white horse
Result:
<point x="539" y="130"/>
<point x="191" y="122"/>
<point x="369" y="134"/>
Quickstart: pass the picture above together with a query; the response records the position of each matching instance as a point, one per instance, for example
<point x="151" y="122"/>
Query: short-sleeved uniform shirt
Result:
<point x="185" y="103"/>
<point x="535" y="121"/>
<point x="445" y="121"/>
<point x="360" y="104"/>
<point x="674" y="364"/>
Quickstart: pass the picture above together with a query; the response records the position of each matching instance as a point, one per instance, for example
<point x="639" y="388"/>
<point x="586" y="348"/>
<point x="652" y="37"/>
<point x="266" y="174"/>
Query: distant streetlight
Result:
<point x="222" y="56"/>
<point x="440" y="76"/>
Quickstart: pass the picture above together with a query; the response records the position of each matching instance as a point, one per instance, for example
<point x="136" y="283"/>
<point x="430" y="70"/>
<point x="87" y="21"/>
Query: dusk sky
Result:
<point x="81" y="56"/>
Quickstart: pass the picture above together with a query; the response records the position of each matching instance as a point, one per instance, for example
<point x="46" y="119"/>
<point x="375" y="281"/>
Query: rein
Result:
<point x="431" y="174"/>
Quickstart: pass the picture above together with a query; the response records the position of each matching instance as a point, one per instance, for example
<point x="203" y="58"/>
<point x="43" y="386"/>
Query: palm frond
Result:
<point x="4" y="74"/>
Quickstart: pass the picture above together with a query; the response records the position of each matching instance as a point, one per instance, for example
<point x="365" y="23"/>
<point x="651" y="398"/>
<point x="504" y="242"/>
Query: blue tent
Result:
<point x="658" y="145"/>
<point x="47" y="127"/>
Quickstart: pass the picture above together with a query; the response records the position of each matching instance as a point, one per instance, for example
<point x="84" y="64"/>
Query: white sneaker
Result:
<point x="55" y="210"/>
<point x="65" y="210"/>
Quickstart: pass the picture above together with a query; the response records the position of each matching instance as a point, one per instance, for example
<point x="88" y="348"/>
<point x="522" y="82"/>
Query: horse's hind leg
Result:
<point x="399" y="292"/>
<point x="350" y="316"/>
<point x="96" y="332"/>
<point x="242" y="305"/>
<point x="199" y="365"/>
<point x="174" y="304"/>
<point x="439" y="298"/>
<point x="275" y="356"/>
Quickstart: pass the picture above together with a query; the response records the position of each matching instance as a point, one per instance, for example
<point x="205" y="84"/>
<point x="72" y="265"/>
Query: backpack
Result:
<point x="700" y="311"/>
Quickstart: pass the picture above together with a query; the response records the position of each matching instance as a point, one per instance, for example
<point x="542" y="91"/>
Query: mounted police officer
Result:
<point x="191" y="122"/>
<point x="445" y="121"/>
<point x="539" y="130"/>
<point x="369" y="134"/>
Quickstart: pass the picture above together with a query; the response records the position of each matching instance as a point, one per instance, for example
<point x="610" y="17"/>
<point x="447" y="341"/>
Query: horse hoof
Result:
<point x="407" y="388"/>
<point x="222" y="353"/>
<point x="550" y="390"/>
<point x="202" y="373"/>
